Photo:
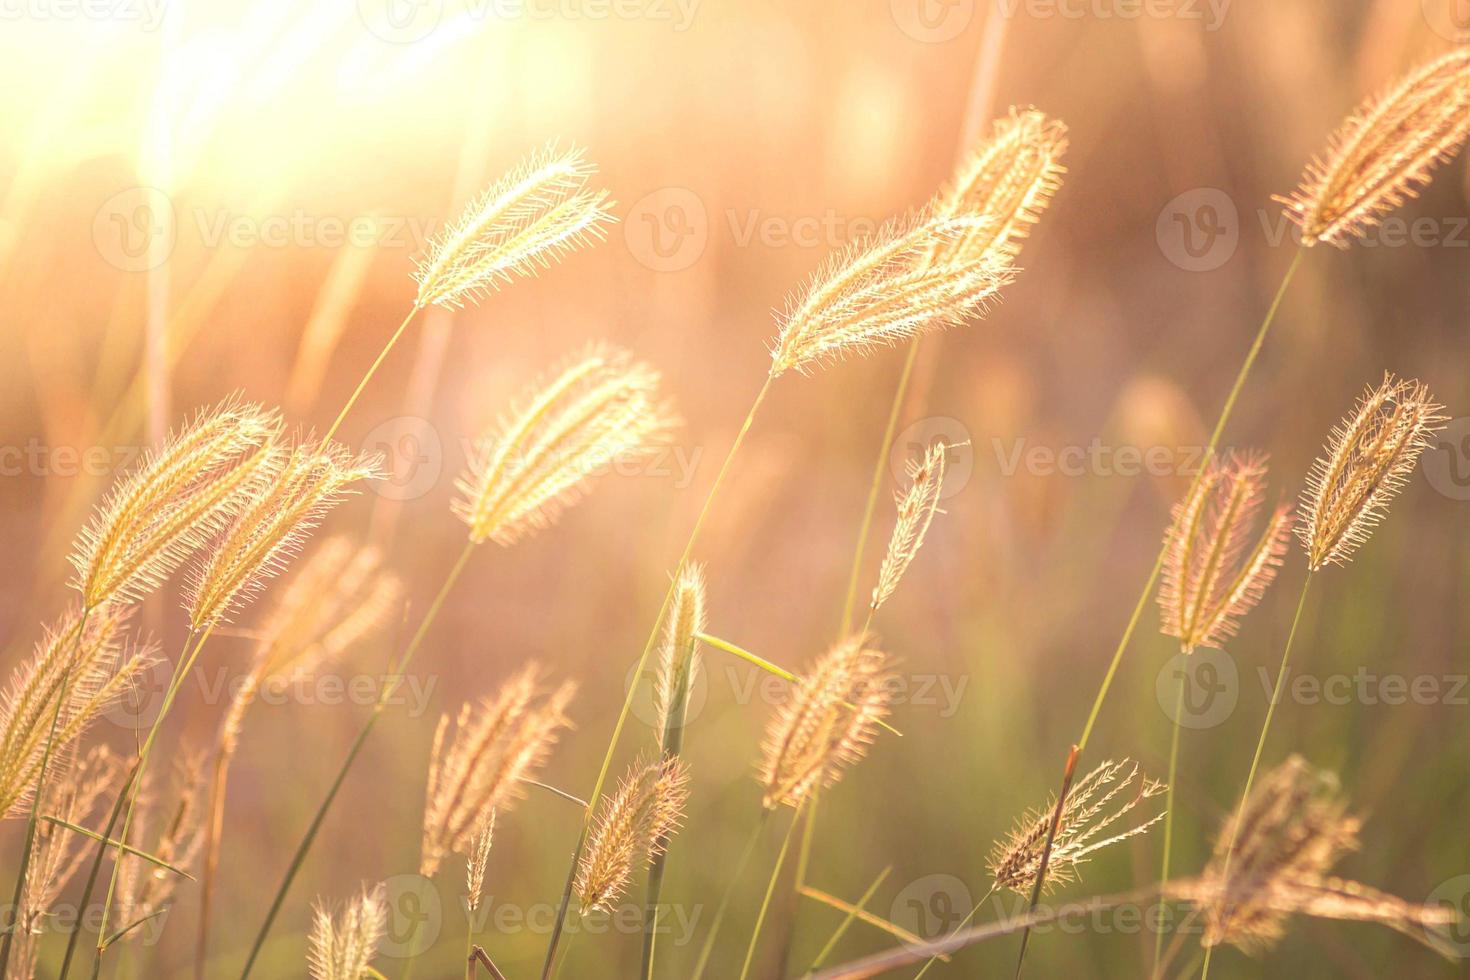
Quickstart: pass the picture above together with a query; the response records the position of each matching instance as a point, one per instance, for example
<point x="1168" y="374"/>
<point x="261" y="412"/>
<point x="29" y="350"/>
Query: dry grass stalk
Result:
<point x="635" y="825"/>
<point x="679" y="664"/>
<point x="887" y="289"/>
<point x="916" y="504"/>
<point x="289" y="498"/>
<point x="827" y="723"/>
<point x="603" y="407"/>
<point x="342" y="947"/>
<point x="531" y="217"/>
<point x="144" y="888"/>
<point x="1009" y="179"/>
<point x="57" y="858"/>
<point x="475" y="863"/>
<point x="102" y="669"/>
<point x="1384" y="153"/>
<point x="478" y="769"/>
<point x="1215" y="569"/>
<point x="1097" y="802"/>
<point x="1369" y="458"/>
<point x="172" y="504"/>
<point x="1292" y="830"/>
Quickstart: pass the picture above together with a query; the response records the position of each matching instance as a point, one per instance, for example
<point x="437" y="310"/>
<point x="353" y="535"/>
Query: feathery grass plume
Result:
<point x="172" y="504"/>
<point x="1095" y="804"/>
<point x="475" y="863"/>
<point x="885" y="289"/>
<point x="1009" y="179"/>
<point x="635" y="825"/>
<point x="917" y="504"/>
<point x="827" y="723"/>
<point x="288" y="499"/>
<point x="680" y="661"/>
<point x="342" y="947"/>
<point x="494" y="745"/>
<point x="103" y="667"/>
<point x="1384" y="153"/>
<point x="1292" y="830"/>
<point x="602" y="407"/>
<point x="144" y="888"/>
<point x="531" y="217"/>
<point x="56" y="859"/>
<point x="1369" y="458"/>
<point x="1213" y="574"/>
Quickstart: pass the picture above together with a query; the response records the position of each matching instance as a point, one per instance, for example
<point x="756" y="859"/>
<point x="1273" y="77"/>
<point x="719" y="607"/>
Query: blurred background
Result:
<point x="199" y="199"/>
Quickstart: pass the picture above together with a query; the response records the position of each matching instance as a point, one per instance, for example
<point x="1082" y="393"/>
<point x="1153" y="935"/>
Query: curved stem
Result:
<point x="395" y="675"/>
<point x="1168" y="821"/>
<point x="372" y="370"/>
<point x="566" y="897"/>
<point x="760" y="918"/>
<point x="1260" y="747"/>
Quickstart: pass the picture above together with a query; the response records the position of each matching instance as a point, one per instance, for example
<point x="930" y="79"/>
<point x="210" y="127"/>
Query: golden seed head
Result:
<point x="634" y="825"/>
<point x="341" y="947"/>
<point x="827" y="723"/>
<point x="1096" y="804"/>
<point x="103" y="667"/>
<point x="1009" y="179"/>
<point x="1370" y="456"/>
<point x="530" y="218"/>
<point x="477" y="768"/>
<point x="886" y="289"/>
<point x="1384" y="153"/>
<point x="179" y="497"/>
<point x="1215" y="569"/>
<point x="476" y="861"/>
<point x="679" y="661"/>
<point x="603" y="407"/>
<point x="916" y="504"/>
<point x="288" y="498"/>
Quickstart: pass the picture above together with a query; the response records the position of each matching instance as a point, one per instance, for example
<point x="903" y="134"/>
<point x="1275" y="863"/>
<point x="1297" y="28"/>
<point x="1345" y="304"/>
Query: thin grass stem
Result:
<point x="741" y="864"/>
<point x="1169" y="816"/>
<point x="760" y="918"/>
<point x="372" y="370"/>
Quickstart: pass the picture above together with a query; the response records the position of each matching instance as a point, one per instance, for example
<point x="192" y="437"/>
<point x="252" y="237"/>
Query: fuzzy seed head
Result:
<point x="1215" y="567"/>
<point x="477" y="767"/>
<point x="1094" y="816"/>
<point x="916" y="505"/>
<point x="533" y="216"/>
<point x="633" y="827"/>
<point x="475" y="863"/>
<point x="540" y="457"/>
<point x="341" y="947"/>
<point x="679" y="659"/>
<point x="1370" y="457"/>
<point x="827" y="723"/>
<point x="886" y="289"/>
<point x="169" y="507"/>
<point x="1384" y="153"/>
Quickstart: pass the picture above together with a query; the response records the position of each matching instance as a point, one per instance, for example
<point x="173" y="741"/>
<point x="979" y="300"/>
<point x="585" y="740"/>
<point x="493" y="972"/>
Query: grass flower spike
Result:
<point x="1098" y="801"/>
<point x="476" y="770"/>
<point x="827" y="723"/>
<point x="887" y="289"/>
<point x="171" y="505"/>
<point x="1384" y="153"/>
<point x="603" y="407"/>
<point x="531" y="217"/>
<point x="635" y="825"/>
<point x="1369" y="458"/>
<point x="680" y="658"/>
<point x="342" y="947"/>
<point x="917" y="504"/>
<point x="1215" y="570"/>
